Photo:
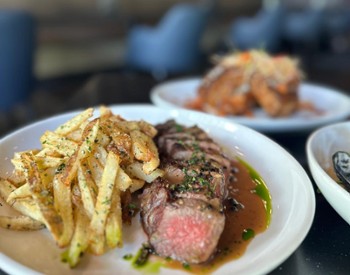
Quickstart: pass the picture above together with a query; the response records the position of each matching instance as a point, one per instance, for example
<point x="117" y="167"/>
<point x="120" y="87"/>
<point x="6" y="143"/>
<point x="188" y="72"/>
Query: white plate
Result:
<point x="292" y="194"/>
<point x="321" y="145"/>
<point x="334" y="104"/>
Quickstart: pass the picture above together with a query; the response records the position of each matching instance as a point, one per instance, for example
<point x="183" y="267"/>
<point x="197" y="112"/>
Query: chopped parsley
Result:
<point x="179" y="128"/>
<point x="60" y="168"/>
<point x="195" y="181"/>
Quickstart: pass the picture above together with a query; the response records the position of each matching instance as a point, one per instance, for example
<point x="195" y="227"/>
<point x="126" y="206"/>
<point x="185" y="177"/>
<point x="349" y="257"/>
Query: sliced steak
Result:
<point x="182" y="213"/>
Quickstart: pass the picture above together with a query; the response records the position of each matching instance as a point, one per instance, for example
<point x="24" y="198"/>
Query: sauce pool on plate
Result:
<point x="248" y="213"/>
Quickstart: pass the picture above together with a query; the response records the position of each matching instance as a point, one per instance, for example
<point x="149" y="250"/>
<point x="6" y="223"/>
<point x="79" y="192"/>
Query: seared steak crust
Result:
<point x="182" y="212"/>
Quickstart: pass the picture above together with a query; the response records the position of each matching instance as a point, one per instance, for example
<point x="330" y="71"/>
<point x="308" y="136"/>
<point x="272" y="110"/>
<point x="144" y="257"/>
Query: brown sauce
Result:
<point x="249" y="216"/>
<point x="330" y="171"/>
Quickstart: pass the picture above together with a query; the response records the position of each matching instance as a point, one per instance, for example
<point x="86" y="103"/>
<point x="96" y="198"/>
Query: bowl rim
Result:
<point x="316" y="167"/>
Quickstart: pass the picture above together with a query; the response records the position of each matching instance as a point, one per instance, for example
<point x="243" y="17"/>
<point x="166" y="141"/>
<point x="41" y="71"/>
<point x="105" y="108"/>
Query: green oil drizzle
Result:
<point x="248" y="234"/>
<point x="260" y="189"/>
<point x="151" y="267"/>
<point x="147" y="267"/>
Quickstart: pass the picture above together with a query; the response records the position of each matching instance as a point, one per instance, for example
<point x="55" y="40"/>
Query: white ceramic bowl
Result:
<point x="320" y="147"/>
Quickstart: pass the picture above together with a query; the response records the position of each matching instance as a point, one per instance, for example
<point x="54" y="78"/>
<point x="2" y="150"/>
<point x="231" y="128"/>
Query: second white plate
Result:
<point x="335" y="106"/>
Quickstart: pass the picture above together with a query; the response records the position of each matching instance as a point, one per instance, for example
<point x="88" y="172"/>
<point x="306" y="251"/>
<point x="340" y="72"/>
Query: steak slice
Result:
<point x="184" y="229"/>
<point x="182" y="213"/>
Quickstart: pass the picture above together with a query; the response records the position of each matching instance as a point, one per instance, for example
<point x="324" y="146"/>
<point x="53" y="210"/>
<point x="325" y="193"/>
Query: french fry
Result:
<point x="47" y="152"/>
<point x="77" y="134"/>
<point x="147" y="128"/>
<point x="137" y="171"/>
<point x="84" y="151"/>
<point x="103" y="204"/>
<point x="73" y="184"/>
<point x="101" y="154"/>
<point x="145" y="150"/>
<point x="59" y="144"/>
<point x="47" y="177"/>
<point x="102" y="139"/>
<point x="80" y="240"/>
<point x="18" y="156"/>
<point x="121" y="145"/>
<point x="89" y="137"/>
<point x="105" y="112"/>
<point x="17" y="178"/>
<point x="87" y="187"/>
<point x="128" y="126"/>
<point x="20" y="223"/>
<point x="26" y="206"/>
<point x="48" y="161"/>
<point x="96" y="170"/>
<point x="42" y="197"/>
<point x="114" y="233"/>
<point x="74" y="123"/>
<point x="67" y="171"/>
<point x="6" y="188"/>
<point x="17" y="163"/>
<point x="20" y="192"/>
<point x="64" y="207"/>
<point x="137" y="184"/>
<point x="123" y="180"/>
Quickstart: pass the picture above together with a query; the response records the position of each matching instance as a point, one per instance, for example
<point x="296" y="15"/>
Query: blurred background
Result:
<point x="60" y="55"/>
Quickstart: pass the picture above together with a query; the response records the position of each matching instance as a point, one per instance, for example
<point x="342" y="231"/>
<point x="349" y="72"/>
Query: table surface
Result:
<point x="325" y="249"/>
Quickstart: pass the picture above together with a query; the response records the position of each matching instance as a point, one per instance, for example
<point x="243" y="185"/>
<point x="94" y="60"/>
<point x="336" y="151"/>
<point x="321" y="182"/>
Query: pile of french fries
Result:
<point x="73" y="185"/>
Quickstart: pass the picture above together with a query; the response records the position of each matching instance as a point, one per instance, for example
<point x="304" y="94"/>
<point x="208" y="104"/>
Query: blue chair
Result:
<point x="173" y="46"/>
<point x="336" y="29"/>
<point x="17" y="44"/>
<point x="260" y="31"/>
<point x="304" y="28"/>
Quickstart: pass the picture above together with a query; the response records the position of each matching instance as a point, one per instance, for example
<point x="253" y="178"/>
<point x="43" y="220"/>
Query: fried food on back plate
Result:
<point x="240" y="81"/>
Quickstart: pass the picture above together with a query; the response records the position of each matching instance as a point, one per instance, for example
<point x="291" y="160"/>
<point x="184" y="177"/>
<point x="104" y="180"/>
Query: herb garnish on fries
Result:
<point x="73" y="185"/>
